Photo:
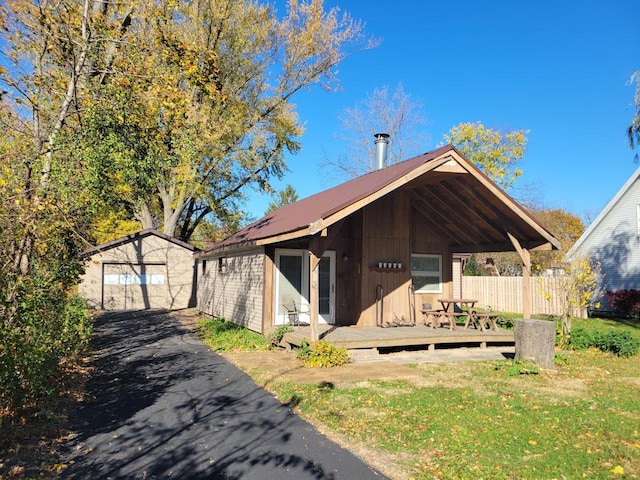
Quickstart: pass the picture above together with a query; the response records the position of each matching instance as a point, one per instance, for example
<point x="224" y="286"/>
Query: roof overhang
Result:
<point x="453" y="196"/>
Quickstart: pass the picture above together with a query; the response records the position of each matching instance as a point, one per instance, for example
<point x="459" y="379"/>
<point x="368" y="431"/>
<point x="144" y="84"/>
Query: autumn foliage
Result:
<point x="625" y="302"/>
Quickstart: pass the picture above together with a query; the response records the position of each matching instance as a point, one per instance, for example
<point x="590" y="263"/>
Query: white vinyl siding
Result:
<point x="613" y="240"/>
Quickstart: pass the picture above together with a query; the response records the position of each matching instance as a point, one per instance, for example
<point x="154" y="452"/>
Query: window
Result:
<point x="426" y="273"/>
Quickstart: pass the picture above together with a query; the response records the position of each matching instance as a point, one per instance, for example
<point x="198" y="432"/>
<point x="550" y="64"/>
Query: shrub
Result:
<point x="304" y="350"/>
<point x="46" y="330"/>
<point x="625" y="302"/>
<point x="324" y="355"/>
<point x="622" y="344"/>
<point x="581" y="339"/>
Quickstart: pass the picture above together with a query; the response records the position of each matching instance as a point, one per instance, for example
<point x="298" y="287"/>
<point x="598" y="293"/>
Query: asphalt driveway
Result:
<point x="165" y="405"/>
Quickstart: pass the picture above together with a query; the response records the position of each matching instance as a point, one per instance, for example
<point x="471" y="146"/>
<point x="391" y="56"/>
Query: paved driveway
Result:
<point x="167" y="406"/>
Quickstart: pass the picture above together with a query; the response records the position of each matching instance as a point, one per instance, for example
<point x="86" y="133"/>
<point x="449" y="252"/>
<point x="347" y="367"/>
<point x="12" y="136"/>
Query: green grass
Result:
<point x="495" y="420"/>
<point x="483" y="420"/>
<point x="478" y="421"/>
<point x="608" y="324"/>
<point x="221" y="335"/>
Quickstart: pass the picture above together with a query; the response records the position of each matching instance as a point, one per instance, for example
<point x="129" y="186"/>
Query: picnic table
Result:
<point x="449" y="313"/>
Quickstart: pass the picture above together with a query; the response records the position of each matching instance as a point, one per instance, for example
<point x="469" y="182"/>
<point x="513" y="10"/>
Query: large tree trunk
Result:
<point x="143" y="215"/>
<point x="172" y="209"/>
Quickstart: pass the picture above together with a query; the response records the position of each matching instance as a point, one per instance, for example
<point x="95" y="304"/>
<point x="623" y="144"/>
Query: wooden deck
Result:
<point x="394" y="337"/>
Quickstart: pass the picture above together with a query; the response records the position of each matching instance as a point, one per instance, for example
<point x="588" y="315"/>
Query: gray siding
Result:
<point x="614" y="242"/>
<point x="235" y="291"/>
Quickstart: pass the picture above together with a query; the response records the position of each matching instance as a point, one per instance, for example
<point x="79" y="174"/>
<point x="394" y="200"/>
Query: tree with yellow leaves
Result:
<point x="577" y="288"/>
<point x="197" y="106"/>
<point x="494" y="152"/>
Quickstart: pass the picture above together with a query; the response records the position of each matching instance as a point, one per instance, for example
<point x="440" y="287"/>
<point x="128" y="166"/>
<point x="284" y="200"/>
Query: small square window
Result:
<point x="426" y="273"/>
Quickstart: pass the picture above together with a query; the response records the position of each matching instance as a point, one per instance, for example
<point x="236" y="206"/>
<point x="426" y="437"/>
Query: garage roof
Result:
<point x="138" y="236"/>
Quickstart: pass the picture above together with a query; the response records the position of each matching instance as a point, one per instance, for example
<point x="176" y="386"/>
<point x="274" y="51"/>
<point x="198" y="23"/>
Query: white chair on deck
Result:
<point x="293" y="312"/>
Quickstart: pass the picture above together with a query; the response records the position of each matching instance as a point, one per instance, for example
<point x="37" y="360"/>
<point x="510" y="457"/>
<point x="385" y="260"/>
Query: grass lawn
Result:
<point x="474" y="420"/>
<point x="478" y="420"/>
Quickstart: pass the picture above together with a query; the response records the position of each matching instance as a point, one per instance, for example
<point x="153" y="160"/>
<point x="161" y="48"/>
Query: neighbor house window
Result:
<point x="426" y="273"/>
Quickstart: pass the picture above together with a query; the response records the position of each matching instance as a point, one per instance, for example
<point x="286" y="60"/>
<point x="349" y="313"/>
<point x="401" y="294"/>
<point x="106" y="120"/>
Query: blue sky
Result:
<point x="559" y="69"/>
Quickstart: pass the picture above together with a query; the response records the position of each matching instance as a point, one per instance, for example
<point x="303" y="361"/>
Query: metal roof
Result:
<point x="473" y="203"/>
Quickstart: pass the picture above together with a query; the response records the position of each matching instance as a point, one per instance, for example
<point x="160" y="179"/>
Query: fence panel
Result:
<point x="504" y="294"/>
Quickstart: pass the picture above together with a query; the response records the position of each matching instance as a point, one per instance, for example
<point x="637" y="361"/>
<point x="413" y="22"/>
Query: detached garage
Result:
<point x="145" y="270"/>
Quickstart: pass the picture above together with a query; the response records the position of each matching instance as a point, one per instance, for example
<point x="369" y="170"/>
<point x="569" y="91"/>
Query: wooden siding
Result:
<point x="457" y="278"/>
<point x="235" y="292"/>
<point x="424" y="239"/>
<point x="504" y="294"/>
<point x="385" y="239"/>
<point x="392" y="231"/>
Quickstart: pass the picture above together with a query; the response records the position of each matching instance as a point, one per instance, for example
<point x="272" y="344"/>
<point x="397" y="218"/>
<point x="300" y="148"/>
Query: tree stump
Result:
<point x="535" y="341"/>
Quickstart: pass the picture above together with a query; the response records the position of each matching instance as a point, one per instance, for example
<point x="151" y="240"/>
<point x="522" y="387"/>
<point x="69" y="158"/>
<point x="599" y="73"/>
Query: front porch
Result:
<point x="354" y="338"/>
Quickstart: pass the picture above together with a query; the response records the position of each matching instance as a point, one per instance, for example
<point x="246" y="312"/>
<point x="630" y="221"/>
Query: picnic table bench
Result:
<point x="483" y="319"/>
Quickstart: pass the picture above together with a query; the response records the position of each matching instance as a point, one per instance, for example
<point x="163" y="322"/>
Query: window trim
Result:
<point x="428" y="273"/>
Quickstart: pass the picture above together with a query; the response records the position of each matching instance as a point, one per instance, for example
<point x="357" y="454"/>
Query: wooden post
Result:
<point x="317" y="245"/>
<point x="525" y="256"/>
<point x="313" y="295"/>
<point x="526" y="285"/>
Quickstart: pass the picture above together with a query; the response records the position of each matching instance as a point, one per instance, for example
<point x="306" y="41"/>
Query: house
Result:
<point x="368" y="251"/>
<point x="144" y="270"/>
<point x="613" y="240"/>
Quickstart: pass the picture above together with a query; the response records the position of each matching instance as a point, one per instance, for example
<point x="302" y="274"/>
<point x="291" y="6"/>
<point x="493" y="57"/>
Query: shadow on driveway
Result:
<point x="166" y="405"/>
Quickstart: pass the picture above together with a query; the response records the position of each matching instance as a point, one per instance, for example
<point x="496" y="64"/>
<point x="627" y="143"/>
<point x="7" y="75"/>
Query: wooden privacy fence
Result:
<point x="504" y="294"/>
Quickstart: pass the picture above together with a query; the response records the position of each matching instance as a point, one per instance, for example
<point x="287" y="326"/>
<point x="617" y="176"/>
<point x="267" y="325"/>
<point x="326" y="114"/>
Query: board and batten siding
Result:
<point x="231" y="287"/>
<point x="504" y="294"/>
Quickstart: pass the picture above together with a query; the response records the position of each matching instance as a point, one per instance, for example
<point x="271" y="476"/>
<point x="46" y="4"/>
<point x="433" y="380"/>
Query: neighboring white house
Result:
<point x="613" y="240"/>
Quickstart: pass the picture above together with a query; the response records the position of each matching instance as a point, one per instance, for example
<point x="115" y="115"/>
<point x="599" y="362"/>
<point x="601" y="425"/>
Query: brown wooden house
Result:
<point x="367" y="251"/>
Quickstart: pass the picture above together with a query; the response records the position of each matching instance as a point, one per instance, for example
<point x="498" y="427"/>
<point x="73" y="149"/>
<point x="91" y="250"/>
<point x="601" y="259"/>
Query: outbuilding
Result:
<point x="145" y="270"/>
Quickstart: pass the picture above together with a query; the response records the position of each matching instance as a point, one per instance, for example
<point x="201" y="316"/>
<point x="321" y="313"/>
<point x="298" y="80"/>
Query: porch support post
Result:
<point x="315" y="254"/>
<point x="525" y="256"/>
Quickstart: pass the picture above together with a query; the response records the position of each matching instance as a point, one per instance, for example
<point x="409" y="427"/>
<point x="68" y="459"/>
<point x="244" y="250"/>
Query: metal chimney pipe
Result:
<point x="382" y="144"/>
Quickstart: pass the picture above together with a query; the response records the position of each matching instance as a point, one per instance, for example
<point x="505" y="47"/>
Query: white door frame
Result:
<point x="280" y="317"/>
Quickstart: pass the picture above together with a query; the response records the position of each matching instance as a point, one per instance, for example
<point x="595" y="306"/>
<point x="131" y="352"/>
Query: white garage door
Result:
<point x="134" y="287"/>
